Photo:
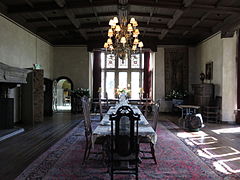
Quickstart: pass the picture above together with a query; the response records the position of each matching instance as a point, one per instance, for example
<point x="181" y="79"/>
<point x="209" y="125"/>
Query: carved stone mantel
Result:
<point x="10" y="77"/>
<point x="9" y="74"/>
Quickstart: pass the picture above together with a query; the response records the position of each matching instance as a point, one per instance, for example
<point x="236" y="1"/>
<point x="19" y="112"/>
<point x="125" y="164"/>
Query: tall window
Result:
<point x="118" y="73"/>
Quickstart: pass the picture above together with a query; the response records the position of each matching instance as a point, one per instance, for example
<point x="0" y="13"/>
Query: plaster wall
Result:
<point x="229" y="75"/>
<point x="72" y="62"/>
<point x="207" y="51"/>
<point x="22" y="49"/>
<point x="159" y="74"/>
<point x="223" y="54"/>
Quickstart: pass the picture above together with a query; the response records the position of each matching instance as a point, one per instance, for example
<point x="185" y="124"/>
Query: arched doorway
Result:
<point x="62" y="94"/>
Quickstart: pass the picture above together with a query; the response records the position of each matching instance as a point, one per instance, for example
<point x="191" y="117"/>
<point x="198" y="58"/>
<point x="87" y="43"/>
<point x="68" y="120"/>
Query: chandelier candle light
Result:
<point x="123" y="38"/>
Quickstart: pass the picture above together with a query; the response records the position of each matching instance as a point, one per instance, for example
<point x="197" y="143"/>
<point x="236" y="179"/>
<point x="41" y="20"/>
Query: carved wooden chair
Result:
<point x="124" y="145"/>
<point x="88" y="130"/>
<point x="146" y="140"/>
<point x="103" y="107"/>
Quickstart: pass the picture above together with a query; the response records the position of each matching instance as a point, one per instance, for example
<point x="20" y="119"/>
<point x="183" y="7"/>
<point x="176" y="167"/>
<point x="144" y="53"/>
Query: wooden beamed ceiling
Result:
<point x="185" y="22"/>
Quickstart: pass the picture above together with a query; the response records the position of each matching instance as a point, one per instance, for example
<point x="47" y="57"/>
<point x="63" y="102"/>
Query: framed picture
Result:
<point x="209" y="71"/>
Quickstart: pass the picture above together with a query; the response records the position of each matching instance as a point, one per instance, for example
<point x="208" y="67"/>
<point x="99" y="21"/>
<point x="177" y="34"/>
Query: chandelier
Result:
<point x="123" y="38"/>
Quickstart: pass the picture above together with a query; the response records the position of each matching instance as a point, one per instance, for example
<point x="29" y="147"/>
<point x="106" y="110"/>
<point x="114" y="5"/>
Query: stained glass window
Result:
<point x="135" y="61"/>
<point x="118" y="73"/>
<point x="110" y="61"/>
<point x="122" y="63"/>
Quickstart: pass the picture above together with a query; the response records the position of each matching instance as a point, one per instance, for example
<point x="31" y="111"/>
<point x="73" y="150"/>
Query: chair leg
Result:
<point x="85" y="153"/>
<point x="89" y="149"/>
<point x="153" y="152"/>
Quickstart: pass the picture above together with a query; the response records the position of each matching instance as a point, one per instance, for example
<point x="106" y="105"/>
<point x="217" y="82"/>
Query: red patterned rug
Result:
<point x="64" y="161"/>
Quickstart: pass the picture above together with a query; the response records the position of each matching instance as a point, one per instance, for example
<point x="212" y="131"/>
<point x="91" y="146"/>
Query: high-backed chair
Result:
<point x="103" y="106"/>
<point x="124" y="145"/>
<point x="100" y="106"/>
<point x="88" y="130"/>
<point x="146" y="140"/>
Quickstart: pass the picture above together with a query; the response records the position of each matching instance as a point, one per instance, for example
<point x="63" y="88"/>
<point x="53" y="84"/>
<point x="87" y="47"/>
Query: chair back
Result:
<point x="86" y="112"/>
<point x="100" y="105"/>
<point x="124" y="141"/>
<point x="156" y="115"/>
<point x="107" y="103"/>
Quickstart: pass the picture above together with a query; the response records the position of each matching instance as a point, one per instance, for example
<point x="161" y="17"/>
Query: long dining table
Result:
<point x="144" y="127"/>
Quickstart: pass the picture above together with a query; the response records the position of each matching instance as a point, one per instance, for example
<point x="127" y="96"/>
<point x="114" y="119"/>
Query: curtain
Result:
<point x="238" y="79"/>
<point x="96" y="72"/>
<point x="147" y="84"/>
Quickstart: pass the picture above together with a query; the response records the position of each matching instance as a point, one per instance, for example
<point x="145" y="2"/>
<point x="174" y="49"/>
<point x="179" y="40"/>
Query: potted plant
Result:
<point x="76" y="95"/>
<point x="177" y="96"/>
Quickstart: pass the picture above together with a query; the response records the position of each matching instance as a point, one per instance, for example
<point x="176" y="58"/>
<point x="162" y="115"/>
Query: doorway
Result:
<point x="62" y="94"/>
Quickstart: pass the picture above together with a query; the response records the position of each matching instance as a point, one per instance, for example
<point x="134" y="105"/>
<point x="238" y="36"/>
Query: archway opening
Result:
<point x="63" y="95"/>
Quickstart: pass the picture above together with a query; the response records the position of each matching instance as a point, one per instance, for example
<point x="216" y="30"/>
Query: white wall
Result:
<point x="223" y="54"/>
<point x="72" y="62"/>
<point x="229" y="75"/>
<point x="159" y="73"/>
<point x="22" y="49"/>
<point x="207" y="51"/>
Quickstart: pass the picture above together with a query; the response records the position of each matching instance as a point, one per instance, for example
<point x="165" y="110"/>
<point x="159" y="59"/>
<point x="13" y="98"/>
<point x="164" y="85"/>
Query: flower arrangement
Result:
<point x="80" y="92"/>
<point x="176" y="94"/>
<point x="123" y="90"/>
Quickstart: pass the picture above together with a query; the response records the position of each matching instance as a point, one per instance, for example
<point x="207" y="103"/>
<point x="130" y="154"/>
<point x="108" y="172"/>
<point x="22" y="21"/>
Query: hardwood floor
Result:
<point x="19" y="151"/>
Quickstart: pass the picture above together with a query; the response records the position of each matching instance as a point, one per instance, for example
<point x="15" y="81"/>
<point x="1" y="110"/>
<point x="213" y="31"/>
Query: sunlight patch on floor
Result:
<point x="220" y="168"/>
<point x="232" y="165"/>
<point x="191" y="134"/>
<point x="204" y="140"/>
<point x="221" y="151"/>
<point x="227" y="130"/>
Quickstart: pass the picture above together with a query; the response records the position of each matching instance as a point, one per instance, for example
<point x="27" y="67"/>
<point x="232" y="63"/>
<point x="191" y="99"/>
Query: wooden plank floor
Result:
<point x="19" y="151"/>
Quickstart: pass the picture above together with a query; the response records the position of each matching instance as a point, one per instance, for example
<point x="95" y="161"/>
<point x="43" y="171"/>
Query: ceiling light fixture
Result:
<point x="123" y="38"/>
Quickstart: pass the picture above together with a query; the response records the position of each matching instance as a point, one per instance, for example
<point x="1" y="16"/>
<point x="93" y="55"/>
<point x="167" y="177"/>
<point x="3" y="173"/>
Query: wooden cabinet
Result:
<point x="32" y="96"/>
<point x="203" y="94"/>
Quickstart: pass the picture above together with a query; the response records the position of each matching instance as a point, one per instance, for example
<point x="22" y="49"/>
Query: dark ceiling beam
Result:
<point x="44" y="17"/>
<point x="196" y="19"/>
<point x="77" y="16"/>
<point x="177" y="5"/>
<point x="71" y="16"/>
<point x="177" y="15"/>
<point x="153" y="15"/>
<point x="91" y="15"/>
<point x="197" y="22"/>
<point x="104" y="26"/>
<point x="218" y="9"/>
<point x="150" y="16"/>
<point x="3" y="8"/>
<point x="96" y="14"/>
<point x="52" y="6"/>
<point x="159" y="4"/>
<point x="219" y="3"/>
<point x="228" y="23"/>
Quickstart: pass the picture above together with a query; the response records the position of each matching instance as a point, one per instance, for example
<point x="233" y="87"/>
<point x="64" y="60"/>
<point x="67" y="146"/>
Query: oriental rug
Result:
<point x="64" y="161"/>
